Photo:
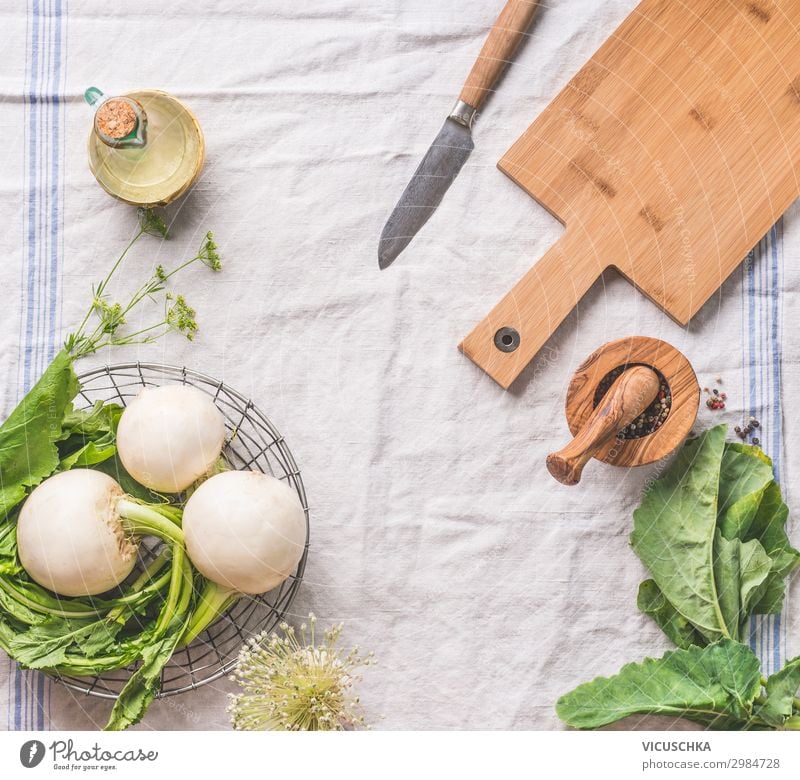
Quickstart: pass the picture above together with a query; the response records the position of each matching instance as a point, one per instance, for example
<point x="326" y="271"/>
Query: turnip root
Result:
<point x="170" y="436"/>
<point x="76" y="533"/>
<point x="245" y="532"/>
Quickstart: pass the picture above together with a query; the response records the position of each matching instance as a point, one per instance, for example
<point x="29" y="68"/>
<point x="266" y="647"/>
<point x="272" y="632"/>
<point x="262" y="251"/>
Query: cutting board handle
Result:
<point x="505" y="341"/>
<point x="498" y="50"/>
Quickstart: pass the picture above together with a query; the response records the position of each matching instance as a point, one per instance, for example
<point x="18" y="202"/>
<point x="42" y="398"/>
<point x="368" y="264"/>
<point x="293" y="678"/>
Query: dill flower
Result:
<point x="181" y="316"/>
<point x="291" y="683"/>
<point x="152" y="223"/>
<point x="208" y="253"/>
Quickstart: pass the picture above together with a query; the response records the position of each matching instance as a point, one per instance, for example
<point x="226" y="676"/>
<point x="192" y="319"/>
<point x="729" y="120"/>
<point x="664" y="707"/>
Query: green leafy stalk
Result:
<point x="214" y="601"/>
<point x="143" y="520"/>
<point x="30" y="596"/>
<point x="712" y="533"/>
<point x="142" y="687"/>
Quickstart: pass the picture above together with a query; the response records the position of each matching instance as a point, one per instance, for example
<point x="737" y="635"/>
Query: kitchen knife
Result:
<point x="450" y="149"/>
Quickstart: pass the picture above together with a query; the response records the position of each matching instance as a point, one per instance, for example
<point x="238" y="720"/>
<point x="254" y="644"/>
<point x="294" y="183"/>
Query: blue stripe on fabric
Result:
<point x="751" y="305"/>
<point x="777" y="413"/>
<point x="55" y="206"/>
<point x="31" y="260"/>
<point x="776" y="352"/>
<point x="56" y="231"/>
<point x="749" y="384"/>
<point x="40" y="700"/>
<point x="43" y="194"/>
<point x="747" y="351"/>
<point x="18" y="699"/>
<point x="753" y="635"/>
<point x="42" y="191"/>
<point x="768" y="405"/>
<point x="43" y="234"/>
<point x="763" y="307"/>
<point x="779" y="331"/>
<point x="32" y="142"/>
<point x="761" y="401"/>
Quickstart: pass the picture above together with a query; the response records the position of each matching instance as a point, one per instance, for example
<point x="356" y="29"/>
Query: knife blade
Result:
<point x="452" y="146"/>
<point x="439" y="167"/>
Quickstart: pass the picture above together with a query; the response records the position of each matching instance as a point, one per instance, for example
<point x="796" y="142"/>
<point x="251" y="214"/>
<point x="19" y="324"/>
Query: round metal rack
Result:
<point x="252" y="442"/>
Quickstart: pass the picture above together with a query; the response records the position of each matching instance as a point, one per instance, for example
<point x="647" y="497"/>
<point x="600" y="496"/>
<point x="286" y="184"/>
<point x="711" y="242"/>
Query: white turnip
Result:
<point x="245" y="532"/>
<point x="77" y="533"/>
<point x="170" y="436"/>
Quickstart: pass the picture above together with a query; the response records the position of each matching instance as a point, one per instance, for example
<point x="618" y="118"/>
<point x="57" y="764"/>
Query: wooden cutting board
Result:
<point x="668" y="156"/>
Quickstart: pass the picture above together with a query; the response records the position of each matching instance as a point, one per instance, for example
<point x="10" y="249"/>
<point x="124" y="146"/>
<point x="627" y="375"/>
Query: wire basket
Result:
<point x="252" y="442"/>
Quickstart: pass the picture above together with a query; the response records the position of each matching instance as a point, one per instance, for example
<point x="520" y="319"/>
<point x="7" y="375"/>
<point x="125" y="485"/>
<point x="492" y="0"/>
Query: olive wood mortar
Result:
<point x="595" y="425"/>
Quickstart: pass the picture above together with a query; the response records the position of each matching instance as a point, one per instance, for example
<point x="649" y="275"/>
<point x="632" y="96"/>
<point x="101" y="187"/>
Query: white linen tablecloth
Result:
<point x="485" y="588"/>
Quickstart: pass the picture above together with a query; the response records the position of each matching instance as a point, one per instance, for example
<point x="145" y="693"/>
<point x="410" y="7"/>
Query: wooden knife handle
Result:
<point x="498" y="49"/>
<point x="632" y="392"/>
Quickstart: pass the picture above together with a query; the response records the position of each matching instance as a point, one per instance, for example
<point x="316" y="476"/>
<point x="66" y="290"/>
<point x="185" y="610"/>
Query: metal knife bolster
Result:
<point x="463" y="113"/>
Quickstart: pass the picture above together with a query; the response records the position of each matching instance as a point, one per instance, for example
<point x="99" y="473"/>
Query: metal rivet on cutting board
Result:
<point x="506" y="339"/>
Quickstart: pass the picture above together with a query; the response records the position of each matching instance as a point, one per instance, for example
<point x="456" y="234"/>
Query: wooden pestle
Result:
<point x="630" y="394"/>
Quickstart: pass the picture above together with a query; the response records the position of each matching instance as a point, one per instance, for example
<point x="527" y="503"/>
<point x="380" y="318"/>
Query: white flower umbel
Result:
<point x="292" y="684"/>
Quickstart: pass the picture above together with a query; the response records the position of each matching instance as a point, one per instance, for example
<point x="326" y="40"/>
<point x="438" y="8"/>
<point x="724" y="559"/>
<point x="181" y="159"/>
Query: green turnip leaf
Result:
<point x="717" y="552"/>
<point x="715" y="685"/>
<point x="744" y="476"/>
<point x="19" y="613"/>
<point x="674" y="532"/>
<point x="90" y="454"/>
<point x="781" y="687"/>
<point x="101" y="418"/>
<point x="712" y="532"/>
<point x="89" y="436"/>
<point x="46" y="644"/>
<point x="143" y="684"/>
<point x="740" y="571"/>
<point x="9" y="560"/>
<point x="100" y="639"/>
<point x="651" y="601"/>
<point x="114" y="468"/>
<point x="28" y="452"/>
<point x="769" y="527"/>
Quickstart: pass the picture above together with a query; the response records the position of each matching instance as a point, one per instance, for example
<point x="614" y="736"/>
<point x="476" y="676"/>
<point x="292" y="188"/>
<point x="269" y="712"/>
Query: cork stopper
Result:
<point x="116" y="118"/>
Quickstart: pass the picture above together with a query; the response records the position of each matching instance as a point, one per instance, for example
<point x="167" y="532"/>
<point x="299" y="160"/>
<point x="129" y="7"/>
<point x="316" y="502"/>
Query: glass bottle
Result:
<point x="146" y="147"/>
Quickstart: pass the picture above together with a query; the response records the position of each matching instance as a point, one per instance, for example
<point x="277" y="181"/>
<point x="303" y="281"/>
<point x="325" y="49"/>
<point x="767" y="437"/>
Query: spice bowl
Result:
<point x="631" y="402"/>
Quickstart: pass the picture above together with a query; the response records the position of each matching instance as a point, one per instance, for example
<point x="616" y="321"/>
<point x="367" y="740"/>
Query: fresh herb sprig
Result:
<point x="109" y="316"/>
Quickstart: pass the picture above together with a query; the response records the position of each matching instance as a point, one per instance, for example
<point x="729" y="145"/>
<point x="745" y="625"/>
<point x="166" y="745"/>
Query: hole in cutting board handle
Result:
<point x="506" y="339"/>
